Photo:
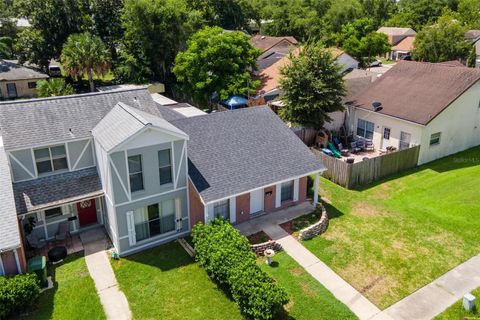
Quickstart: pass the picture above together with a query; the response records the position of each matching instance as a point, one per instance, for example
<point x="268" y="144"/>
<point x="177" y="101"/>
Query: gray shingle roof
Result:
<point x="123" y="122"/>
<point x="56" y="190"/>
<point x="9" y="233"/>
<point x="233" y="152"/>
<point x="10" y="71"/>
<point x="46" y="121"/>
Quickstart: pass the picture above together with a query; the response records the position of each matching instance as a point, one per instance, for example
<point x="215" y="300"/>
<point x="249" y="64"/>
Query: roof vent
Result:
<point x="70" y="131"/>
<point x="377" y="106"/>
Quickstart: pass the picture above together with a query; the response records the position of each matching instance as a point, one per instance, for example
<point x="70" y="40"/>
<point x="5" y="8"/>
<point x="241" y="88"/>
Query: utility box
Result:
<point x="469" y="302"/>
<point x="38" y="265"/>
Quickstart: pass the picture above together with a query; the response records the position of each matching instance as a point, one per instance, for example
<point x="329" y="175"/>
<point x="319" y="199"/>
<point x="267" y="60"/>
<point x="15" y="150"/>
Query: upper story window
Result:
<point x="287" y="191"/>
<point x="435" y="138"/>
<point x="135" y="172"/>
<point x="365" y="129"/>
<point x="165" y="166"/>
<point x="51" y="159"/>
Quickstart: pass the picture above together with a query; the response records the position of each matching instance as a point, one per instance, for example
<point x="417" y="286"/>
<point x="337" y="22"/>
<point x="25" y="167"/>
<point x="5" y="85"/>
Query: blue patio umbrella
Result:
<point x="235" y="102"/>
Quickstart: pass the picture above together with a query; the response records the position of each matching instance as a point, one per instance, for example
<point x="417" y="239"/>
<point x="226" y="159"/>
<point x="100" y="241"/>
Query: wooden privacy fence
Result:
<point x="369" y="170"/>
<point x="307" y="135"/>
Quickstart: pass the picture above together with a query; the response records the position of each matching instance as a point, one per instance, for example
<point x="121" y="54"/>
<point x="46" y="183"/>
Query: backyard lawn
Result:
<point x="166" y="283"/>
<point x="73" y="297"/>
<point x="308" y="298"/>
<point x="457" y="312"/>
<point x="393" y="237"/>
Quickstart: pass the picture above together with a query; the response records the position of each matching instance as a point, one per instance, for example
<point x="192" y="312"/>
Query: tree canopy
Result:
<point x="217" y="62"/>
<point x="53" y="87"/>
<point x="312" y="87"/>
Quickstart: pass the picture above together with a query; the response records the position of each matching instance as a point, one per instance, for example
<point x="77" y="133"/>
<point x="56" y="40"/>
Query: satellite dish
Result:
<point x="377" y="106"/>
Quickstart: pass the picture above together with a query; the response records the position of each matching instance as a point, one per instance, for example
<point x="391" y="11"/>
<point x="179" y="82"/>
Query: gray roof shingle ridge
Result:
<point x="134" y="114"/>
<point x="221" y="113"/>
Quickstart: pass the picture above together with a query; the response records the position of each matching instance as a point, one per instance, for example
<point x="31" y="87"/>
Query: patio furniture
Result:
<point x="343" y="151"/>
<point x="369" y="145"/>
<point x="57" y="254"/>
<point x="63" y="232"/>
<point x="354" y="148"/>
<point x="35" y="242"/>
<point x="360" y="144"/>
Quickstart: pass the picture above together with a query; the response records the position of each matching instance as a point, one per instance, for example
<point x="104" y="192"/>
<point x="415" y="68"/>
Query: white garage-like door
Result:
<point x="256" y="201"/>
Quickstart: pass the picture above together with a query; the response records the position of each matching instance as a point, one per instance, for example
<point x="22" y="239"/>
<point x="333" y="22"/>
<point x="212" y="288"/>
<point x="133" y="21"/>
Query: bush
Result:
<point x="17" y="293"/>
<point x="226" y="256"/>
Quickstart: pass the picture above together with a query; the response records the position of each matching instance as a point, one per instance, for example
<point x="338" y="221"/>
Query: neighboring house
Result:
<point x="347" y="62"/>
<point x="474" y="37"/>
<point x="435" y="106"/>
<point x="119" y="159"/>
<point x="402" y="41"/>
<point x="272" y="49"/>
<point x="17" y="81"/>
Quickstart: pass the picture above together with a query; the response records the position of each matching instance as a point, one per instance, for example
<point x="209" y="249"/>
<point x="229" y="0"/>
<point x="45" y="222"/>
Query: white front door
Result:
<point x="385" y="138"/>
<point x="256" y="201"/>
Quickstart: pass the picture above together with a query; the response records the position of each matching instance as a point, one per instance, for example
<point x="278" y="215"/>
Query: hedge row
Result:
<point x="226" y="256"/>
<point x="17" y="293"/>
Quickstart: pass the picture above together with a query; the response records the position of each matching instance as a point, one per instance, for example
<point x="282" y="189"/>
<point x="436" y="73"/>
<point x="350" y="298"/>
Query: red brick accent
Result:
<point x="269" y="200"/>
<point x="302" y="190"/>
<point x="196" y="208"/>
<point x="243" y="207"/>
<point x="9" y="263"/>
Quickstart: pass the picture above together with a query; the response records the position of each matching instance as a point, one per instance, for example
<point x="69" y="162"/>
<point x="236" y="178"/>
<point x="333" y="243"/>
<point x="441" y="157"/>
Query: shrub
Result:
<point x="226" y="256"/>
<point x="17" y="293"/>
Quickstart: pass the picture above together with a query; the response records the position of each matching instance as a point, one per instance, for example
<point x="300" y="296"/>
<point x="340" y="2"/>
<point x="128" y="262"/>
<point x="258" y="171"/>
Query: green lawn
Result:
<point x="393" y="237"/>
<point x="73" y="297"/>
<point x="308" y="298"/>
<point x="166" y="283"/>
<point x="457" y="312"/>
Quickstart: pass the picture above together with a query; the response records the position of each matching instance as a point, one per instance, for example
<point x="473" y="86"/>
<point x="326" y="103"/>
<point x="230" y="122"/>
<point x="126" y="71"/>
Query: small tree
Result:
<point x="54" y="87"/>
<point x="85" y="54"/>
<point x="367" y="47"/>
<point x="312" y="87"/>
<point x="217" y="62"/>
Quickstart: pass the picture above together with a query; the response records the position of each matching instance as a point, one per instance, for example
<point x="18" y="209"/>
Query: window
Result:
<point x="287" y="191"/>
<point x="154" y="220"/>
<point x="386" y="133"/>
<point x="405" y="138"/>
<point x="32" y="85"/>
<point x="135" y="173"/>
<point x="165" y="166"/>
<point x="222" y="209"/>
<point x="435" y="138"/>
<point x="11" y="90"/>
<point x="51" y="159"/>
<point x="365" y="129"/>
<point x="54" y="212"/>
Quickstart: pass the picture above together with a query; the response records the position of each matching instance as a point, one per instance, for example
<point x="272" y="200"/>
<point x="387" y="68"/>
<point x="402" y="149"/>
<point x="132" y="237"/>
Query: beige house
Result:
<point x="401" y="39"/>
<point x="17" y="81"/>
<point x="432" y="105"/>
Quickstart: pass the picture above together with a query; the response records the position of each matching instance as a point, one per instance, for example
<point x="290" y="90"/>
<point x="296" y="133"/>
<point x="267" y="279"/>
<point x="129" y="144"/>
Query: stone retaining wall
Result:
<point x="260" y="248"/>
<point x="315" y="229"/>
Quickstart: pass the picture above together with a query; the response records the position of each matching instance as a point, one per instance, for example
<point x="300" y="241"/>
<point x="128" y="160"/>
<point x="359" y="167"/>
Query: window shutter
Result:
<point x="131" y="229"/>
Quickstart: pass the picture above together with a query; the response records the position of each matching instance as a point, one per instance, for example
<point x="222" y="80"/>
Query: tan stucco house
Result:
<point x="17" y="81"/>
<point x="432" y="105"/>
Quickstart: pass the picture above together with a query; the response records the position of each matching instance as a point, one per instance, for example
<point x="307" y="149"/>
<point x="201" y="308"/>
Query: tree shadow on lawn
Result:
<point x="465" y="159"/>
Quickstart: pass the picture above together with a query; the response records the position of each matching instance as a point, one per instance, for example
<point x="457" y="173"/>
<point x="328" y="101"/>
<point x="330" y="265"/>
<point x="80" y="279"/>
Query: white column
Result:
<point x="295" y="189"/>
<point x="315" y="189"/>
<point x="15" y="253"/>
<point x="278" y="195"/>
<point x="233" y="209"/>
<point x="132" y="238"/>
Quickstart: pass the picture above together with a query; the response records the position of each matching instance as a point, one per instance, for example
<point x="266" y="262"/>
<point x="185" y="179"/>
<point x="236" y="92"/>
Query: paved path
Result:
<point x="113" y="300"/>
<point x="343" y="291"/>
<point x="437" y="296"/>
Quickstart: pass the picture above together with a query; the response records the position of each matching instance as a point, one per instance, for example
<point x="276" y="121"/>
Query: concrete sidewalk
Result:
<point x="438" y="295"/>
<point x="343" y="291"/>
<point x="113" y="300"/>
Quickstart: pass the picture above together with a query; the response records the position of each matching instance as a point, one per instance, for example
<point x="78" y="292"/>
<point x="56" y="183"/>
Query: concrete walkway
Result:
<point x="113" y="300"/>
<point x="343" y="291"/>
<point x="438" y="295"/>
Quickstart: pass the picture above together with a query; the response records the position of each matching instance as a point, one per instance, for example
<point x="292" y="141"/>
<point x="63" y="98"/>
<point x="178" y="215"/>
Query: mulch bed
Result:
<point x="259" y="237"/>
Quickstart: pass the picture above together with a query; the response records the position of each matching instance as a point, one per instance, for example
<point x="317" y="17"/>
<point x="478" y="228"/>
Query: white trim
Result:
<point x="233" y="209"/>
<point x="22" y="166"/>
<point x="68" y="158"/>
<point x="127" y="170"/>
<point x="278" y="195"/>
<point x="188" y="189"/>
<point x="196" y="190"/>
<point x="265" y="186"/>
<point x="205" y="214"/>
<point x="148" y="197"/>
<point x="34" y="162"/>
<point x="295" y="189"/>
<point x="44" y="145"/>
<point x="388" y="116"/>
<point x="178" y="214"/>
<point x="172" y="160"/>
<point x="129" y="196"/>
<point x="81" y="155"/>
<point x="152" y="243"/>
<point x="2" y="269"/>
<point x="315" y="190"/>
<point x="17" y="261"/>
<point x="181" y="160"/>
<point x="132" y="240"/>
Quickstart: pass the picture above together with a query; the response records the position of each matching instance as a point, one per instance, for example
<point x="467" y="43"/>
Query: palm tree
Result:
<point x="84" y="53"/>
<point x="54" y="87"/>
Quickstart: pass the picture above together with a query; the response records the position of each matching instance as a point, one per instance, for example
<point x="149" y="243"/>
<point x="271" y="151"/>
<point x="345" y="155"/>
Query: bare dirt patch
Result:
<point x="307" y="290"/>
<point x="366" y="210"/>
<point x="297" y="271"/>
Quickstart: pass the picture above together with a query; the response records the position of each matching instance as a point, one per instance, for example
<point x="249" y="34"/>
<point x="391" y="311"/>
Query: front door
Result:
<point x="87" y="212"/>
<point x="385" y="138"/>
<point x="256" y="201"/>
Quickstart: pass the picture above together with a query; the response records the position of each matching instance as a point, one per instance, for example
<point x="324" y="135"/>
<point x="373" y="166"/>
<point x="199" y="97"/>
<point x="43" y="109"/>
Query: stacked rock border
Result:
<point x="260" y="248"/>
<point x="315" y="229"/>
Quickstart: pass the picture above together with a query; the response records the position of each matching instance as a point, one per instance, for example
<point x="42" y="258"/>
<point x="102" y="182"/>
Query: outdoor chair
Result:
<point x="369" y="145"/>
<point x="361" y="144"/>
<point x="354" y="148"/>
<point x="63" y="232"/>
<point x="35" y="242"/>
<point x="343" y="151"/>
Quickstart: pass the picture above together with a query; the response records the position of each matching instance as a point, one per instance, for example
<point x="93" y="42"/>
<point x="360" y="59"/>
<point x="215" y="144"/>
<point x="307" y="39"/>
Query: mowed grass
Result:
<point x="308" y="298"/>
<point x="73" y="296"/>
<point x="393" y="237"/>
<point x="456" y="311"/>
<point x="166" y="283"/>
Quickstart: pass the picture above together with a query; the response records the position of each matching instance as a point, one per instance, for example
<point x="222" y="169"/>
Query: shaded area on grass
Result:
<point x="73" y="295"/>
<point x="165" y="283"/>
<point x="308" y="298"/>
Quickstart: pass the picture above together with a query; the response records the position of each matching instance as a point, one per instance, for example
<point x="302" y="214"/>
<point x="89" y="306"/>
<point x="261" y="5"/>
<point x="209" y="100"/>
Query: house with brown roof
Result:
<point x="474" y="37"/>
<point x="273" y="49"/>
<point x="432" y="105"/>
<point x="401" y="39"/>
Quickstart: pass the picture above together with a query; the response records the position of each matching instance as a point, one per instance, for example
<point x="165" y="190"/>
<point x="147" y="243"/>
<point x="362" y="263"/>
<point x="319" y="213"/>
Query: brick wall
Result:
<point x="269" y="200"/>
<point x="302" y="190"/>
<point x="243" y="207"/>
<point x="197" y="211"/>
